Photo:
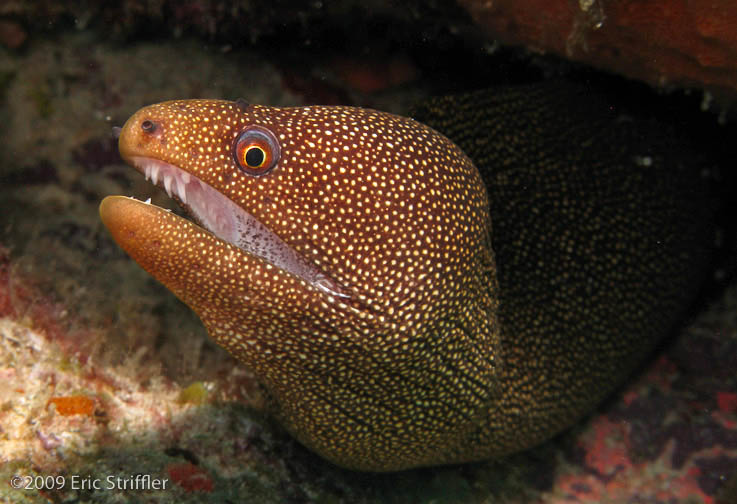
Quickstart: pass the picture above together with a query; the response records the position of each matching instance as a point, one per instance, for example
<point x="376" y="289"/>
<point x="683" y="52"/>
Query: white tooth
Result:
<point x="155" y="174"/>
<point x="167" y="184"/>
<point x="181" y="189"/>
<point x="148" y="201"/>
<point x="147" y="171"/>
<point x="185" y="177"/>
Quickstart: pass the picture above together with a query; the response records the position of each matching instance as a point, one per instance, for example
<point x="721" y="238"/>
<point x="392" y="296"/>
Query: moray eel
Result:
<point x="401" y="306"/>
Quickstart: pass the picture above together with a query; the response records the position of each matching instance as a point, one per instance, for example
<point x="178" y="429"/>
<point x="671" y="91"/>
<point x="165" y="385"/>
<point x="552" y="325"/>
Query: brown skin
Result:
<point x="431" y="356"/>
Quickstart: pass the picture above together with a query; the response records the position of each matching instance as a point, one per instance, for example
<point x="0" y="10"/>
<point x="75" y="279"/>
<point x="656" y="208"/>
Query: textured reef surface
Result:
<point x="663" y="42"/>
<point x="105" y="374"/>
<point x="666" y="43"/>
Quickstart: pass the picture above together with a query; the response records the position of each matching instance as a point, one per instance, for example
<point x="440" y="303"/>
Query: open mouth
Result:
<point x="229" y="222"/>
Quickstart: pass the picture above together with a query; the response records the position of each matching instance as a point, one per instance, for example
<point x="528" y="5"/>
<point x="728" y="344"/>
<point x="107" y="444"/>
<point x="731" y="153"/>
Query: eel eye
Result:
<point x="256" y="151"/>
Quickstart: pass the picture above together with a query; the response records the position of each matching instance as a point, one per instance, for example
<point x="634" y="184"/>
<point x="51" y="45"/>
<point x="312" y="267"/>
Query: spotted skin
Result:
<point x="422" y="356"/>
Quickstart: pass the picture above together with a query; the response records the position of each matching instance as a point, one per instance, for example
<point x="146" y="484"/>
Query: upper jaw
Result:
<point x="231" y="223"/>
<point x="212" y="209"/>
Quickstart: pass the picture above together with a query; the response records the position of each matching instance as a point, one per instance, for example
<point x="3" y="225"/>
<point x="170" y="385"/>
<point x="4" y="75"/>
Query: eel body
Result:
<point x="401" y="307"/>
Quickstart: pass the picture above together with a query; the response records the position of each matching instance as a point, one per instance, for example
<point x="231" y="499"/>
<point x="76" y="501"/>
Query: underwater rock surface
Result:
<point x="663" y="42"/>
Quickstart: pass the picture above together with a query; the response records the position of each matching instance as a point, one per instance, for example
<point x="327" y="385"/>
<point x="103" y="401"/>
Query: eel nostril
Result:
<point x="148" y="126"/>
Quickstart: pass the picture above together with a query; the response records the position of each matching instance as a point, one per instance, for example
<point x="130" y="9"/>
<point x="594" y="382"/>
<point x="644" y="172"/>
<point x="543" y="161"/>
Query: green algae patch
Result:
<point x="196" y="393"/>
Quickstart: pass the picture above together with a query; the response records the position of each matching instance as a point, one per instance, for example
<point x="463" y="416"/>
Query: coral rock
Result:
<point x="660" y="41"/>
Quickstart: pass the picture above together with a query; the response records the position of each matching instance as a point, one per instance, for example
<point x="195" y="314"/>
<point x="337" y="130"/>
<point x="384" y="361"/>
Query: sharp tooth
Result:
<point x="147" y="171"/>
<point x="167" y="184"/>
<point x="154" y="174"/>
<point x="182" y="190"/>
<point x="185" y="177"/>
